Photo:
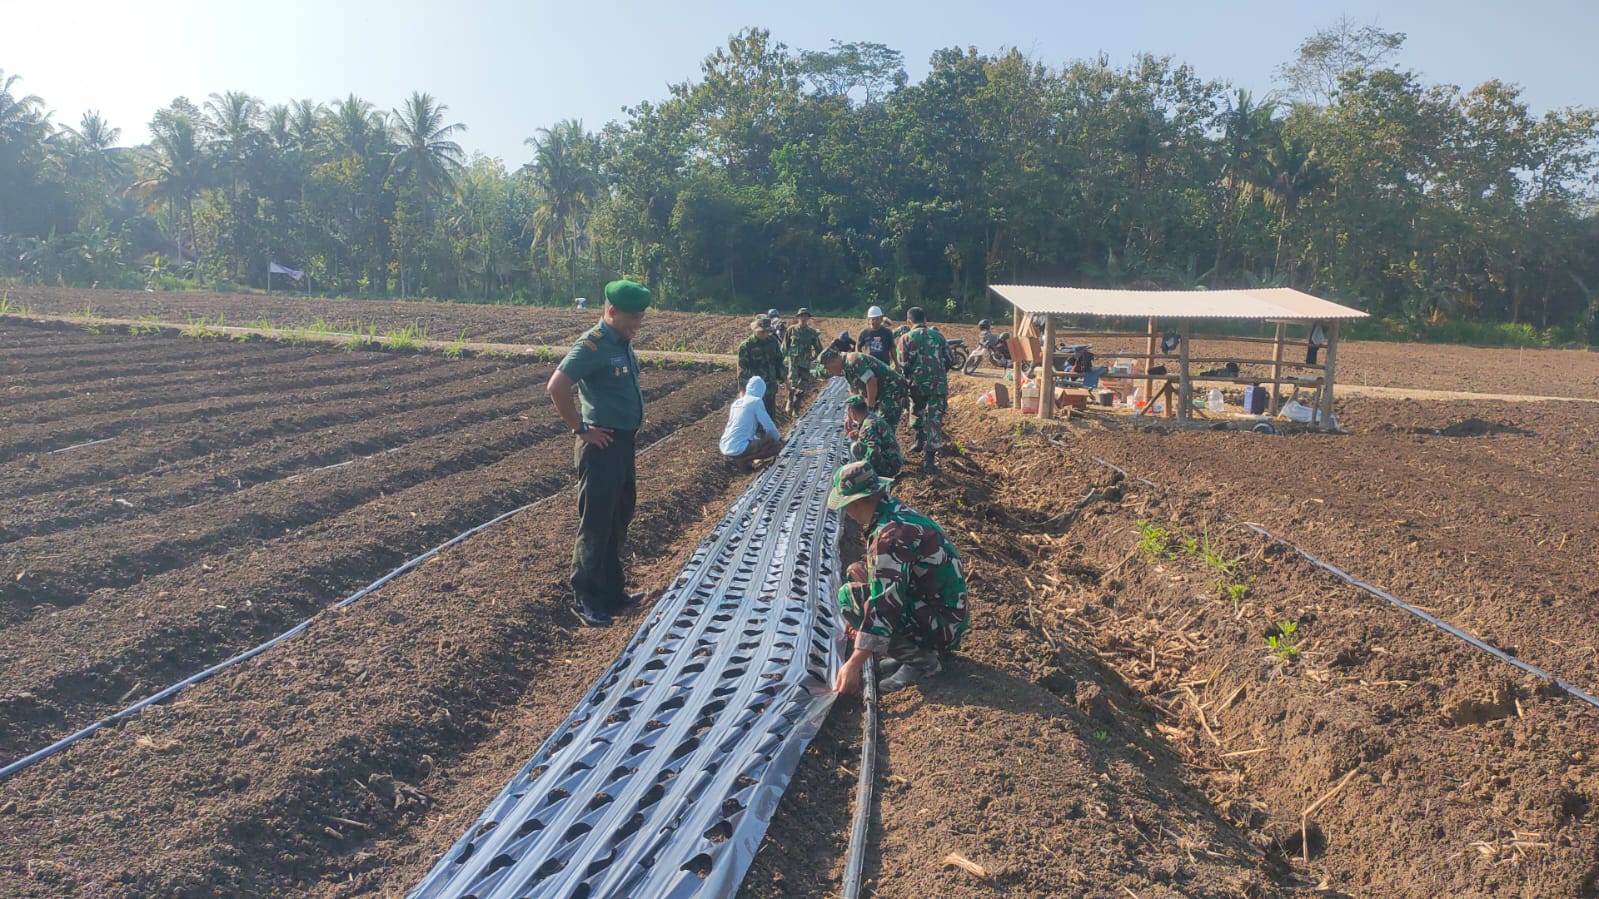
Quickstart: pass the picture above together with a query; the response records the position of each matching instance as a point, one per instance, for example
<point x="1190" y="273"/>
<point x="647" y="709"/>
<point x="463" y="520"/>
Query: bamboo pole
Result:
<point x="1277" y="368"/>
<point x="1149" y="362"/>
<point x="1046" y="380"/>
<point x="1327" y="378"/>
<point x="1185" y="384"/>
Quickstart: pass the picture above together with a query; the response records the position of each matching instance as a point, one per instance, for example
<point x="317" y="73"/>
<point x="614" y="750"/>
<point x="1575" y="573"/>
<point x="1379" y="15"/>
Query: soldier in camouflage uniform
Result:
<point x="907" y="599"/>
<point x="801" y="346"/>
<point x="885" y="391"/>
<point x="871" y="440"/>
<point x="760" y="355"/>
<point x="921" y="353"/>
<point x="899" y="361"/>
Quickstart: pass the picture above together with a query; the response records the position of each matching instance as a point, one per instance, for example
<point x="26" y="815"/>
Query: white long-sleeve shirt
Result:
<point x="748" y="412"/>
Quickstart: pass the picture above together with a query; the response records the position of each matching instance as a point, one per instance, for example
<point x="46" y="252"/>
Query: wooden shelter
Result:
<point x="1179" y="309"/>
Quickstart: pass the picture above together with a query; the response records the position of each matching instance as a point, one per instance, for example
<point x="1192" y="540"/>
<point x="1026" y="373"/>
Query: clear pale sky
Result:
<point x="508" y="68"/>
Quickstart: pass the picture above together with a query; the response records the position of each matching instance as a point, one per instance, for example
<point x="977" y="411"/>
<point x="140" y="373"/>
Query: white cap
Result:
<point x="875" y="312"/>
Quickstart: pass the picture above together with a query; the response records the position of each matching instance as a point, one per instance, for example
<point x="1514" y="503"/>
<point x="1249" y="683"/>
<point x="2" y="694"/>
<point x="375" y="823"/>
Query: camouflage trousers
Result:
<point x="927" y="417"/>
<point x="801" y="383"/>
<point x="924" y="624"/>
<point x="891" y="408"/>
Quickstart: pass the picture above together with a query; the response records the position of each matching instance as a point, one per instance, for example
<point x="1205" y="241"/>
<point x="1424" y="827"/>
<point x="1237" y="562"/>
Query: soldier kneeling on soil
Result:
<point x="906" y="602"/>
<point x="750" y="435"/>
<point x="871" y="440"/>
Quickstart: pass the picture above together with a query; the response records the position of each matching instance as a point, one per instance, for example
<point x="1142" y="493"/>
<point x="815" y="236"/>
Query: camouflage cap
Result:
<point x="760" y="324"/>
<point x="803" y="313"/>
<point x="856" y="481"/>
<point x="857" y="402"/>
<point x="828" y="355"/>
<point x="628" y="296"/>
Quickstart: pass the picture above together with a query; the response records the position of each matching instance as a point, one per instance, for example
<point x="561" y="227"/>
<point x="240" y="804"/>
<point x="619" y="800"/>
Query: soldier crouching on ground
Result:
<point x="906" y="602"/>
<point x="871" y="440"/>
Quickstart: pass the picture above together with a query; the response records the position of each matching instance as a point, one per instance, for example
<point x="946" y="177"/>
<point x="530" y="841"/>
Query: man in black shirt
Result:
<point x="878" y="339"/>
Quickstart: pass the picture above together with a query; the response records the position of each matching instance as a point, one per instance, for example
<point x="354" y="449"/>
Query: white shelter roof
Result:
<point x="1269" y="304"/>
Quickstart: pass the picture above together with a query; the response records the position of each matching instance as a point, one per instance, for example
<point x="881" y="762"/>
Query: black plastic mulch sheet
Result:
<point x="664" y="778"/>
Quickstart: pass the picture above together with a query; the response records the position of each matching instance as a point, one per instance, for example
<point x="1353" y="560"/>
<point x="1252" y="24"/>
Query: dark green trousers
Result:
<point x="607" y="490"/>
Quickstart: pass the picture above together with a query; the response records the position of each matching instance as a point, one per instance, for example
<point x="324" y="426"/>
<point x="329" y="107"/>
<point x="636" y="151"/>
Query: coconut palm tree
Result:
<point x="20" y="117"/>
<point x="426" y="158"/>
<point x="1290" y="171"/>
<point x="176" y="170"/>
<point x="568" y="186"/>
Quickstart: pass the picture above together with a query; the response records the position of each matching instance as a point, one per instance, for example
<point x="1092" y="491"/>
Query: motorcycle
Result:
<point x="993" y="347"/>
<point x="954" y="353"/>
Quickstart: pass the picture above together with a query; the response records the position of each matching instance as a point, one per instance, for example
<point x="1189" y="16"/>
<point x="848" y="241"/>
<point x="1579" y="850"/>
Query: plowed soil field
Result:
<point x="1116" y="724"/>
<point x="1563" y="373"/>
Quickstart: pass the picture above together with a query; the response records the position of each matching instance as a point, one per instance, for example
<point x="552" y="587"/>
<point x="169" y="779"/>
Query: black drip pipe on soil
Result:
<point x="42" y="754"/>
<point x="1570" y="690"/>
<point x="855" y="861"/>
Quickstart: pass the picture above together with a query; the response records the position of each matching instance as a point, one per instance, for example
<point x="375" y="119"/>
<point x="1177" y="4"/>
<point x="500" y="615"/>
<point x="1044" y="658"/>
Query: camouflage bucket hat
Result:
<point x="855" y="481"/>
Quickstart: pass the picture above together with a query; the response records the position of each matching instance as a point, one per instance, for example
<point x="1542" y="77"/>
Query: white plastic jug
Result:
<point x="1214" y="401"/>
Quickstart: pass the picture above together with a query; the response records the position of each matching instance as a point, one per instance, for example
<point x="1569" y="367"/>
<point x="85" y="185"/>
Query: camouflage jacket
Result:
<point x="802" y="345"/>
<point x="760" y="356"/>
<point x="921" y="356"/>
<point x="862" y="367"/>
<point x="874" y="443"/>
<point x="909" y="557"/>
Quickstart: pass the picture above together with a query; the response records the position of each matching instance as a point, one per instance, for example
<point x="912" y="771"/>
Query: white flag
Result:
<point x="275" y="269"/>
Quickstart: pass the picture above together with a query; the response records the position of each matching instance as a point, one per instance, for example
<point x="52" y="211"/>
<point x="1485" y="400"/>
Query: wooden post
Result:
<point x="1277" y="368"/>
<point x="1149" y="363"/>
<point x="1016" y="363"/>
<point x="1046" y="379"/>
<point x="1326" y="423"/>
<point x="1185" y="388"/>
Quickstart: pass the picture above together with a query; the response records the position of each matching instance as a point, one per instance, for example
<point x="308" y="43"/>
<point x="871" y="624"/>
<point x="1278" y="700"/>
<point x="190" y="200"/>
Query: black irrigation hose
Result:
<point x="855" y="861"/>
<point x="42" y="754"/>
<point x="1431" y="619"/>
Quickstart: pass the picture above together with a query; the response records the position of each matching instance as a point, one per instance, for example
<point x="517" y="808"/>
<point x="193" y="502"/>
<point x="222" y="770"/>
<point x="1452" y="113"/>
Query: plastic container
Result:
<point x="1255" y="399"/>
<point x="1030" y="397"/>
<point x="1214" y="401"/>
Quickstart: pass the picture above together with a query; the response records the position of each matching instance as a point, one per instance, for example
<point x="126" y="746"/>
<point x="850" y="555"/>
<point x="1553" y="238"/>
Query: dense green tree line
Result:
<point x="828" y="178"/>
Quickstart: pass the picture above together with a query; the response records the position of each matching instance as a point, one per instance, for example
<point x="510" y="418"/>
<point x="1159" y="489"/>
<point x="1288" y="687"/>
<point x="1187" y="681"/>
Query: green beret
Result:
<point x="628" y="296"/>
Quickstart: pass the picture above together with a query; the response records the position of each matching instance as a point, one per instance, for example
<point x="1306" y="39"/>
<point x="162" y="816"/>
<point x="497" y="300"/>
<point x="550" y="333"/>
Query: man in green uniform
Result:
<point x="761" y="356"/>
<point x="906" y="601"/>
<point x="921" y="352"/>
<point x="884" y="389"/>
<point x="801" y="345"/>
<point x="604" y="370"/>
<point x="871" y="440"/>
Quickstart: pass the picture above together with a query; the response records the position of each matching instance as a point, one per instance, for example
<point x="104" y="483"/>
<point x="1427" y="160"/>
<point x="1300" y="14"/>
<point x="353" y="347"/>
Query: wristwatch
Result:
<point x="581" y="429"/>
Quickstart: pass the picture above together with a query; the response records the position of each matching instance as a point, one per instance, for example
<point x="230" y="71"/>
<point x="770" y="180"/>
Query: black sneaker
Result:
<point x="591" y="617"/>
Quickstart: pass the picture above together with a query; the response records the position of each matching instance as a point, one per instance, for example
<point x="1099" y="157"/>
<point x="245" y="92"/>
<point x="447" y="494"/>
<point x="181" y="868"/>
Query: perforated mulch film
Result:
<point x="662" y="781"/>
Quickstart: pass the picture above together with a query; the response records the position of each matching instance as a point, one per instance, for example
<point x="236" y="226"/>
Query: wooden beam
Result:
<point x="1149" y="362"/>
<point x="1185" y="390"/>
<point x="1326" y="423"/>
<point x="1016" y="360"/>
<point x="1046" y="379"/>
<point x="1277" y="368"/>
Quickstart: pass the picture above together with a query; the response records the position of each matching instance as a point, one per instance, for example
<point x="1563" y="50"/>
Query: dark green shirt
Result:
<point x="606" y="371"/>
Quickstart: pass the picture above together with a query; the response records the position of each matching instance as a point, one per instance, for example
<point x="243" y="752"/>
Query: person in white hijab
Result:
<point x="750" y="435"/>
